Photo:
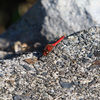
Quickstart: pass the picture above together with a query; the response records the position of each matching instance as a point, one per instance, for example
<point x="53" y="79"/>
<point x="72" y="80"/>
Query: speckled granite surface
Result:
<point x="70" y="72"/>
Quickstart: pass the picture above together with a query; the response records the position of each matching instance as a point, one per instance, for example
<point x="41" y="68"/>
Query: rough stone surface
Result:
<point x="50" y="19"/>
<point x="70" y="72"/>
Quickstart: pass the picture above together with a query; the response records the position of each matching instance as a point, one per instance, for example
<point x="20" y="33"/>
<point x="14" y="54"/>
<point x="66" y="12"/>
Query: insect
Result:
<point x="49" y="47"/>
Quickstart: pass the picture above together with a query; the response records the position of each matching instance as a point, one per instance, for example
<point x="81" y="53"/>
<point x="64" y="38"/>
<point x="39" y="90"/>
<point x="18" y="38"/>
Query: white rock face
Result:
<point x="67" y="16"/>
<point x="93" y="8"/>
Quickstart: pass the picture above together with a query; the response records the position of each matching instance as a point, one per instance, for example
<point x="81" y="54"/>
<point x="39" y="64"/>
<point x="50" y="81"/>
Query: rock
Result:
<point x="19" y="47"/>
<point x="48" y="20"/>
<point x="92" y="6"/>
<point x="76" y="76"/>
<point x="2" y="54"/>
<point x="21" y="97"/>
<point x="26" y="67"/>
<point x="65" y="84"/>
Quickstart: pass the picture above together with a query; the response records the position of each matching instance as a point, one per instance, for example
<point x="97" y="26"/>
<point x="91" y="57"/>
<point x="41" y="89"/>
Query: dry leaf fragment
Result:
<point x="10" y="81"/>
<point x="96" y="63"/>
<point x="31" y="60"/>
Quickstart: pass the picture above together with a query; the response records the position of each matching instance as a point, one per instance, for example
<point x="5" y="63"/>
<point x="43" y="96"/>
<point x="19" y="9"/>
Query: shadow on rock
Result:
<point x="27" y="30"/>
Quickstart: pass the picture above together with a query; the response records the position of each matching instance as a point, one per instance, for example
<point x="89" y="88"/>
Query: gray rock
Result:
<point x="21" y="97"/>
<point x="49" y="19"/>
<point x="65" y="84"/>
<point x="76" y="76"/>
<point x="26" y="67"/>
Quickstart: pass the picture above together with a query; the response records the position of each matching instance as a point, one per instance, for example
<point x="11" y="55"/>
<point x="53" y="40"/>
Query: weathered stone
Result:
<point x="49" y="19"/>
<point x="21" y="97"/>
<point x="65" y="84"/>
<point x="75" y="75"/>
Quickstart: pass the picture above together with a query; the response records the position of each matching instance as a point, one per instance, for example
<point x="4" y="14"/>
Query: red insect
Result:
<point x="49" y="47"/>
